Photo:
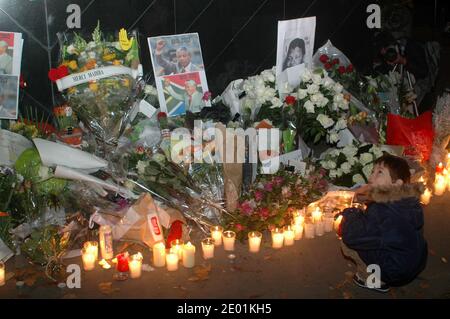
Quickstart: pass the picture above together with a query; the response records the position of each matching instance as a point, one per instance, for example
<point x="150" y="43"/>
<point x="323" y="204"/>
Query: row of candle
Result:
<point x="441" y="183"/>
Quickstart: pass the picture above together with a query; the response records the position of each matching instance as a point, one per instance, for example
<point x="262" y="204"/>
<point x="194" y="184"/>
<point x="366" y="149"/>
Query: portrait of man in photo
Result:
<point x="5" y="59"/>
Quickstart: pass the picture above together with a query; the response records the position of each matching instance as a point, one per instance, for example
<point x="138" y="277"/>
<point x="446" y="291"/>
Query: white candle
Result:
<point x="172" y="261"/>
<point x="88" y="260"/>
<point x="159" y="254"/>
<point x="189" y="255"/>
<point x="2" y="274"/>
<point x="337" y="223"/>
<point x="309" y="230"/>
<point x="299" y="219"/>
<point x="135" y="265"/>
<point x="319" y="228"/>
<point x="289" y="235"/>
<point x="317" y="215"/>
<point x="254" y="241"/>
<point x="106" y="242"/>
<point x="298" y="230"/>
<point x="92" y="247"/>
<point x="425" y="197"/>
<point x="216" y="234"/>
<point x="229" y="237"/>
<point x="176" y="247"/>
<point x="208" y="248"/>
<point x="277" y="238"/>
<point x="328" y="221"/>
<point x="440" y="185"/>
<point x="104" y="264"/>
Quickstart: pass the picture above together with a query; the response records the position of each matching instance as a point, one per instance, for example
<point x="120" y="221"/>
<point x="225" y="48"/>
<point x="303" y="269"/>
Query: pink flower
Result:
<point x="206" y="96"/>
<point x="240" y="227"/>
<point x="268" y="186"/>
<point x="279" y="180"/>
<point x="259" y="196"/>
<point x="286" y="192"/>
<point x="246" y="208"/>
<point x="264" y="212"/>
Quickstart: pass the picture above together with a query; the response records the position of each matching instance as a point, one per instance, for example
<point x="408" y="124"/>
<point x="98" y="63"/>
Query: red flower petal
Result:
<point x="324" y="58"/>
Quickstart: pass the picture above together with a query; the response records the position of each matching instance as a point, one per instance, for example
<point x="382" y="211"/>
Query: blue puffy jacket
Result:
<point x="389" y="233"/>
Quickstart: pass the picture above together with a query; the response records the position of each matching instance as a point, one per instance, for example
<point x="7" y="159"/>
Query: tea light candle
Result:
<point x="159" y="254"/>
<point x="328" y="221"/>
<point x="298" y="230"/>
<point x="337" y="222"/>
<point x="123" y="262"/>
<point x="176" y="247"/>
<point x="189" y="255"/>
<point x="289" y="235"/>
<point x="319" y="228"/>
<point x="216" y="234"/>
<point x="254" y="241"/>
<point x="172" y="261"/>
<point x="440" y="185"/>
<point x="317" y="215"/>
<point x="2" y="274"/>
<point x="136" y="265"/>
<point x="425" y="197"/>
<point x="229" y="237"/>
<point x="88" y="260"/>
<point x="309" y="230"/>
<point x="277" y="238"/>
<point x="208" y="248"/>
<point x="92" y="247"/>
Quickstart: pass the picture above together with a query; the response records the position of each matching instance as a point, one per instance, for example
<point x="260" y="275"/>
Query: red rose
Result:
<point x="341" y="69"/>
<point x="335" y="61"/>
<point x="350" y="68"/>
<point x="161" y="114"/>
<point x="63" y="71"/>
<point x="328" y="66"/>
<point x="290" y="100"/>
<point x="324" y="58"/>
<point x="58" y="73"/>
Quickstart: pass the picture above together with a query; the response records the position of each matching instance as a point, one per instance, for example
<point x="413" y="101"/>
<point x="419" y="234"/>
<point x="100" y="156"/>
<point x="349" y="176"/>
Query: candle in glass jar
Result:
<point x="208" y="248"/>
<point x="159" y="254"/>
<point x="2" y="274"/>
<point x="289" y="235"/>
<point x="216" y="234"/>
<point x="425" y="197"/>
<point x="298" y="230"/>
<point x="188" y="255"/>
<point x="229" y="237"/>
<point x="328" y="221"/>
<point x="319" y="228"/>
<point x="317" y="215"/>
<point x="135" y="265"/>
<point x="337" y="222"/>
<point x="106" y="242"/>
<point x="277" y="238"/>
<point x="176" y="247"/>
<point x="254" y="241"/>
<point x="440" y="184"/>
<point x="172" y="261"/>
<point x="309" y="230"/>
<point x="88" y="259"/>
<point x="299" y="219"/>
<point x="92" y="247"/>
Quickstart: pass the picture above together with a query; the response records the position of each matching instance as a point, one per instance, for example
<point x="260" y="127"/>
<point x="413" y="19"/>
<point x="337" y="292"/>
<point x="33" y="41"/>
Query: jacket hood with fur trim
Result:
<point x="392" y="193"/>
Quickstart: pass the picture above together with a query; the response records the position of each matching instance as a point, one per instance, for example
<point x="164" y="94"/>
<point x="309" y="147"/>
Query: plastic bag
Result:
<point x="332" y="52"/>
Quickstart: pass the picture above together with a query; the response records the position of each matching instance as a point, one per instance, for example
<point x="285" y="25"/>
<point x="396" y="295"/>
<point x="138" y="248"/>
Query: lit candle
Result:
<point x="92" y="247"/>
<point x="229" y="237"/>
<point x="440" y="168"/>
<point x="216" y="234"/>
<point x="172" y="261"/>
<point x="2" y="274"/>
<point x="88" y="260"/>
<point x="319" y="228"/>
<point x="309" y="230"/>
<point x="328" y="221"/>
<point x="208" y="248"/>
<point x="176" y="247"/>
<point x="106" y="242"/>
<point x="425" y="197"/>
<point x="136" y="265"/>
<point x="317" y="215"/>
<point x="440" y="185"/>
<point x="123" y="262"/>
<point x="189" y="255"/>
<point x="277" y="238"/>
<point x="104" y="264"/>
<point x="299" y="219"/>
<point x="337" y="222"/>
<point x="254" y="241"/>
<point x="159" y="254"/>
<point x="298" y="230"/>
<point x="289" y="235"/>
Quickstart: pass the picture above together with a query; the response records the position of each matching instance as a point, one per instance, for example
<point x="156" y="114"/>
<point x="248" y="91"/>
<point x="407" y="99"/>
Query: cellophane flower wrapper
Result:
<point x="102" y="105"/>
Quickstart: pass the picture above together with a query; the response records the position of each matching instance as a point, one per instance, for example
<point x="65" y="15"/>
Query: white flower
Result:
<point x="316" y="98"/>
<point x="141" y="165"/>
<point x="377" y="152"/>
<point x="346" y="167"/>
<point x="327" y="83"/>
<point x="350" y="151"/>
<point x="367" y="170"/>
<point x="91" y="45"/>
<point x="338" y="88"/>
<point x="323" y="102"/>
<point x="268" y="75"/>
<point x="150" y="90"/>
<point x="335" y="152"/>
<point x="306" y="76"/>
<point x="333" y="174"/>
<point x="129" y="185"/>
<point x="341" y="124"/>
<point x="309" y="106"/>
<point x="302" y="93"/>
<point x="339" y="172"/>
<point x="92" y="55"/>
<point x="333" y="137"/>
<point x="331" y="165"/>
<point x="366" y="158"/>
<point x="313" y="89"/>
<point x="358" y="179"/>
<point x="276" y="103"/>
<point x="71" y="49"/>
<point x="344" y="105"/>
<point x="352" y="160"/>
<point x="325" y="120"/>
<point x="324" y="164"/>
<point x="317" y="79"/>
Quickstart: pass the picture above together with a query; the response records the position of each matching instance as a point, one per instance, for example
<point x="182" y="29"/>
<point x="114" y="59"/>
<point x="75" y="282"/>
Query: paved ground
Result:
<point x="312" y="268"/>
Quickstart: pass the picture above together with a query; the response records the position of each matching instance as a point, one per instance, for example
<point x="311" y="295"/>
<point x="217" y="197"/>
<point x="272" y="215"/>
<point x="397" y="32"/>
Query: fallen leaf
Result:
<point x="106" y="288"/>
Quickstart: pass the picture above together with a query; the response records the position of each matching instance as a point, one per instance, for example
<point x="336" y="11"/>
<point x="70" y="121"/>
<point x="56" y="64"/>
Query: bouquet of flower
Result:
<point x="97" y="77"/>
<point x="272" y="198"/>
<point x="351" y="164"/>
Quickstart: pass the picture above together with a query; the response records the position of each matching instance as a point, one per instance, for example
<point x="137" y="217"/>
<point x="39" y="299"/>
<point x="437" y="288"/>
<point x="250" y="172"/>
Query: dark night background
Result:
<point x="238" y="37"/>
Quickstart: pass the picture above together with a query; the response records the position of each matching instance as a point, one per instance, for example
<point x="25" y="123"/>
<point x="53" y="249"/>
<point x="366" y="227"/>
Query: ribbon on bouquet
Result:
<point x="96" y="74"/>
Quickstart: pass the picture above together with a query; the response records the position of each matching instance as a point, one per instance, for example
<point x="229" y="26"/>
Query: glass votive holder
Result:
<point x="277" y="238"/>
<point x="254" y="241"/>
<point x="289" y="235"/>
<point x="208" y="248"/>
<point x="92" y="247"/>
<point x="176" y="247"/>
<point x="309" y="230"/>
<point x="229" y="237"/>
<point x="88" y="259"/>
<point x="216" y="234"/>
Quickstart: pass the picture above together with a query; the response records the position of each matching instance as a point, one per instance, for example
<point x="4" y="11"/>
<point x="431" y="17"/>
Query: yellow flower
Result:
<point x="109" y="57"/>
<point x="72" y="90"/>
<point x="93" y="87"/>
<point x="72" y="65"/>
<point x="126" y="82"/>
<point x="117" y="62"/>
